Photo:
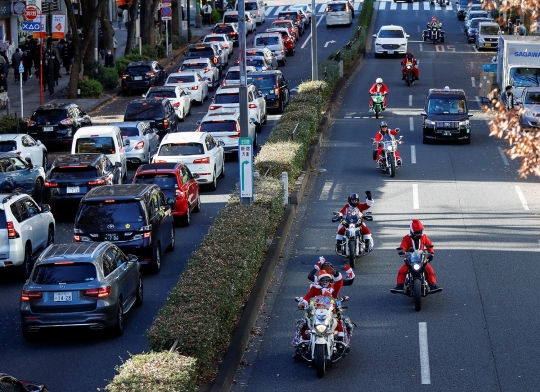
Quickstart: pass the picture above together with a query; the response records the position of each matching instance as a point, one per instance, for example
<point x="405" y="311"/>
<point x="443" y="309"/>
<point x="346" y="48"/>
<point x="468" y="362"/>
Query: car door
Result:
<point x="121" y="151"/>
<point x="75" y="114"/>
<point x="125" y="273"/>
<point x="185" y="99"/>
<point x="214" y="153"/>
<point x="20" y="210"/>
<point x="166" y="218"/>
<point x="283" y="88"/>
<point x="191" y="185"/>
<point x="36" y="150"/>
<point x="36" y="224"/>
<point x="162" y="74"/>
<point x="21" y="175"/>
<point x="152" y="139"/>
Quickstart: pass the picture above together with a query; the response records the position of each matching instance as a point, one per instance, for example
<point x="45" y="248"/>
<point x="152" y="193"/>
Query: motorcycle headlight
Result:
<point x="390" y="148"/>
<point x="321" y="328"/>
<point x="416" y="267"/>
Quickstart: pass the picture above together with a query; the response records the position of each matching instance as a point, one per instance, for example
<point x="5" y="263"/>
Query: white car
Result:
<point x="25" y="146"/>
<point x="205" y="68"/>
<point x="223" y="54"/>
<point x="199" y="151"/>
<point x="179" y="99"/>
<point x="222" y="38"/>
<point x="274" y="42"/>
<point x="224" y="126"/>
<point x="233" y="75"/>
<point x="306" y="9"/>
<point x="391" y="40"/>
<point x="338" y="13"/>
<point x="267" y="53"/>
<point x="233" y="17"/>
<point x="140" y="141"/>
<point x="26" y="230"/>
<point x="227" y="98"/>
<point x="192" y="83"/>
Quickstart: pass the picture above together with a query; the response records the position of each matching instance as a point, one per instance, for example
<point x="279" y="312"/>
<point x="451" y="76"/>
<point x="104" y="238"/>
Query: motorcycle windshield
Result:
<point x="388" y="137"/>
<point x="321" y="301"/>
<point x="416" y="257"/>
<point x="352" y="215"/>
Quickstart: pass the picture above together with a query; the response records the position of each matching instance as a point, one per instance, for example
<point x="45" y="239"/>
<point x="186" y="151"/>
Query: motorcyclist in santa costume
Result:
<point x="354" y="201"/>
<point x="383" y="129"/>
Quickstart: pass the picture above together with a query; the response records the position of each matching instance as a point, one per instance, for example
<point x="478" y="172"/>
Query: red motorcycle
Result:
<point x="409" y="73"/>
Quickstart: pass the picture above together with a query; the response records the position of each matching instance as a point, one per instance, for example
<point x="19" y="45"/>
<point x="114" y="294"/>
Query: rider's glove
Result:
<point x="398" y="130"/>
<point x="429" y="257"/>
<point x="321" y="261"/>
<point x="349" y="271"/>
<point x="401" y="253"/>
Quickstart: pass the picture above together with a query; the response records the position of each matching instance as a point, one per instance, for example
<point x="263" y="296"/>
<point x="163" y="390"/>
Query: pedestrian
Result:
<point x="101" y="48"/>
<point x="3" y="91"/>
<point x="507" y="98"/>
<point x="16" y="62"/>
<point x="207" y="10"/>
<point x="3" y="61"/>
<point x="125" y="18"/>
<point x="45" y="78"/>
<point x="59" y="46"/>
<point x="26" y="61"/>
<point x="36" y="59"/>
<point x="67" y="56"/>
<point x="522" y="30"/>
<point x="115" y="44"/>
<point x="6" y="63"/>
<point x="109" y="59"/>
<point x="56" y="68"/>
<point x="119" y="18"/>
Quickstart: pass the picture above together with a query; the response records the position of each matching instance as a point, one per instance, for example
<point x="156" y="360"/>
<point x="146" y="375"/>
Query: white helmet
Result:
<point x="378" y="80"/>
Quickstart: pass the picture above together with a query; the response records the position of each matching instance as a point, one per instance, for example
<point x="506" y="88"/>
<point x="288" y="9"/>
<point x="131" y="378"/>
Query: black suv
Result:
<point x="136" y="217"/>
<point x="446" y="116"/>
<point x="157" y="111"/>
<point x="57" y="123"/>
<point x="273" y="86"/>
<point x="227" y="28"/>
<point x="205" y="50"/>
<point x="142" y="75"/>
<point x="72" y="176"/>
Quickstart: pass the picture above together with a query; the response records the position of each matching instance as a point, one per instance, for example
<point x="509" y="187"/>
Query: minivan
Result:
<point x="338" y="13"/>
<point x="257" y="8"/>
<point x="488" y="35"/>
<point x="274" y="88"/>
<point x="105" y="139"/>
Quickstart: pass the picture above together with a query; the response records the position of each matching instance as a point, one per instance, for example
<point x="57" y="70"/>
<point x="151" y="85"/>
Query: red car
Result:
<point x="280" y="23"/>
<point x="288" y="39"/>
<point x="176" y="181"/>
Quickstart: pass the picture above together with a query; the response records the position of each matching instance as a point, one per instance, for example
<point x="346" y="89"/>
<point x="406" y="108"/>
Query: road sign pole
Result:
<point x="245" y="161"/>
<point x="166" y="39"/>
<point x="21" y="70"/>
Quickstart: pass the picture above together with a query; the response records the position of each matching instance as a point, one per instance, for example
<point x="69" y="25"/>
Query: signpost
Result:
<point x="166" y="15"/>
<point x="245" y="160"/>
<point x="21" y="70"/>
<point x="31" y="12"/>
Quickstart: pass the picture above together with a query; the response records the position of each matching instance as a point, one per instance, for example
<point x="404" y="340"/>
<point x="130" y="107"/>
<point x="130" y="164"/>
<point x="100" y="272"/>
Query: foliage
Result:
<point x="161" y="51"/>
<point x="216" y="16"/>
<point x="149" y="52"/>
<point x="92" y="69"/>
<point x="90" y="88"/>
<point x="110" y="78"/>
<point x="121" y="63"/>
<point x="155" y="372"/>
<point x="8" y="124"/>
<point x="177" y="41"/>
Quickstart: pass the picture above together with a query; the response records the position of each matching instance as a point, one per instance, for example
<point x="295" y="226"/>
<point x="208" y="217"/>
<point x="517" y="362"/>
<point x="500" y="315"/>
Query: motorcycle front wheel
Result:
<point x="320" y="360"/>
<point x="409" y="80"/>
<point x="417" y="295"/>
<point x="392" y="167"/>
<point x="377" y="109"/>
<point x="351" y="253"/>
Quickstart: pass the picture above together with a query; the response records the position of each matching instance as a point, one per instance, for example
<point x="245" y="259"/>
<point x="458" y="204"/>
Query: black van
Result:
<point x="274" y="88"/>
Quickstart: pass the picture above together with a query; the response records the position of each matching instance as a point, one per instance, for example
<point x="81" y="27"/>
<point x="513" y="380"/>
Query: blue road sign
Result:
<point x="30" y="26"/>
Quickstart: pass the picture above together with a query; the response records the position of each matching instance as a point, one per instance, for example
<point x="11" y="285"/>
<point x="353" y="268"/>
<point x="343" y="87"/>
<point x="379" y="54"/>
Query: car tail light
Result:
<point x="214" y="107"/>
<point x="124" y="76"/>
<point x="252" y="106"/>
<point x="282" y="52"/>
<point x="159" y="161"/>
<point x="50" y="184"/>
<point x="165" y="124"/>
<point x="30" y="123"/>
<point x="237" y="132"/>
<point x="97" y="182"/>
<point x="194" y="87"/>
<point x="28" y="295"/>
<point x="258" y="12"/>
<point x="202" y="160"/>
<point x="179" y="194"/>
<point x="215" y="62"/>
<point x="276" y="91"/>
<point x="66" y="121"/>
<point x="224" y="83"/>
<point x="139" y="145"/>
<point x="77" y="237"/>
<point x="100" y="292"/>
<point x="176" y="104"/>
<point x="151" y="74"/>
<point x="12" y="233"/>
<point x="147" y="234"/>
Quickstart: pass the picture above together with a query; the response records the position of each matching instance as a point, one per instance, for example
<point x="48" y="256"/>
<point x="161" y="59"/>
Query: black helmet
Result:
<point x="384" y="124"/>
<point x="354" y="199"/>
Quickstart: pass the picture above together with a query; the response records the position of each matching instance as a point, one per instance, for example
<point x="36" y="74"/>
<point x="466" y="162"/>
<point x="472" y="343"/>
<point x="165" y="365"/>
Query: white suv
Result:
<point x="25" y="230"/>
<point x="225" y="127"/>
<point x="274" y="42"/>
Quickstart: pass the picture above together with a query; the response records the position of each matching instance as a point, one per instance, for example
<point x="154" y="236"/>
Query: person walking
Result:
<point x="125" y="17"/>
<point x="66" y="56"/>
<point x="207" y="12"/>
<point x="507" y="98"/>
<point x="109" y="59"/>
<point x="26" y="60"/>
<point x="56" y="68"/>
<point x="3" y="91"/>
<point x="6" y="63"/>
<point x="16" y="62"/>
<point x="119" y="18"/>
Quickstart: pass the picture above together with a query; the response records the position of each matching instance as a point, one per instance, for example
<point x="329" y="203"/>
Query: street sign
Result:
<point x="30" y="26"/>
<point x="245" y="159"/>
<point x="165" y="3"/>
<point x="21" y="68"/>
<point x="19" y="7"/>
<point x="166" y="13"/>
<point x="31" y="12"/>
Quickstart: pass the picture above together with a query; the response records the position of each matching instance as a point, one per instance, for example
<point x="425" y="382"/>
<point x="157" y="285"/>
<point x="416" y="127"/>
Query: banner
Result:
<point x="58" y="26"/>
<point x="42" y="33"/>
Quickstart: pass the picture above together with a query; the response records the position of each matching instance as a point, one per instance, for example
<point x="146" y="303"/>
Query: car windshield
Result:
<point x="227" y="98"/>
<point x="52" y="116"/>
<point x="265" y="41"/>
<point x="489" y="30"/>
<point x="255" y="62"/>
<point x="251" y="6"/>
<point x="129" y="131"/>
<point x="64" y="273"/>
<point x="219" y="126"/>
<point x="173" y="149"/>
<point x="103" y="144"/>
<point x="8" y="145"/>
<point x="161" y="94"/>
<point x="447" y="105"/>
<point x="164" y="181"/>
<point x="282" y="23"/>
<point x="138" y="69"/>
<point x="394" y="33"/>
<point x="194" y="66"/>
<point x="336" y="7"/>
<point x="206" y="52"/>
<point x="214" y="39"/>
<point x="143" y="111"/>
<point x="475" y="21"/>
<point x="223" y="29"/>
<point x="106" y="213"/>
<point x="525" y="77"/>
<point x="233" y="75"/>
<point x="262" y="82"/>
<point x="73" y="173"/>
<point x="478" y="14"/>
<point x="532" y="98"/>
<point x="230" y="18"/>
<point x="181" y="79"/>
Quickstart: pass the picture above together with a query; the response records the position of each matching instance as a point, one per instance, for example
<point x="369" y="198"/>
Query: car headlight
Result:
<point x="464" y="123"/>
<point x="429" y="122"/>
<point x="390" y="148"/>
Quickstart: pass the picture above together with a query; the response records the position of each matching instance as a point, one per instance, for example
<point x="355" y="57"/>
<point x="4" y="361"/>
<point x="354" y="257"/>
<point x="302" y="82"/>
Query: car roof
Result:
<point x="76" y="252"/>
<point x="121" y="124"/>
<point x="265" y="73"/>
<point x="184" y="73"/>
<point x="443" y="92"/>
<point x="158" y="167"/>
<point x="139" y="63"/>
<point x="214" y="116"/>
<point x="11" y="136"/>
<point x="389" y="27"/>
<point x="236" y="68"/>
<point x="147" y="100"/>
<point x="184" y="137"/>
<point x="77" y="159"/>
<point x="5" y="197"/>
<point x="118" y="192"/>
<point x="95" y="129"/>
<point x="8" y="154"/>
<point x="52" y="106"/>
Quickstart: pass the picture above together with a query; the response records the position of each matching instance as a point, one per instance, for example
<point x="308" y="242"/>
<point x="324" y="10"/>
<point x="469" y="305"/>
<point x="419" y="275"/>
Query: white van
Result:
<point x="106" y="139"/>
<point x="257" y="8"/>
<point x="338" y="13"/>
<point x="274" y="42"/>
<point x="488" y="35"/>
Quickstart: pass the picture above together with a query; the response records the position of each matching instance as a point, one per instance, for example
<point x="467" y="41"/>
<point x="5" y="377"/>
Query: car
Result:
<point x="17" y="174"/>
<point x="227" y="28"/>
<point x="294" y="16"/>
<point x="488" y="35"/>
<point x="305" y="13"/>
<point x="192" y="83"/>
<point x="472" y="6"/>
<point x="274" y="87"/>
<point x="222" y="38"/>
<point x="9" y="383"/>
<point x="135" y="217"/>
<point x="179" y="99"/>
<point x="288" y="24"/>
<point x="446" y="116"/>
<point x="463" y="6"/>
<point x="223" y="55"/>
<point x="56" y="123"/>
<point x="25" y="229"/>
<point x="141" y="75"/>
<point x="177" y="182"/>
<point x="224" y="126"/>
<point x="228" y="97"/>
<point x="258" y="62"/>
<point x="25" y="146"/>
<point x="88" y="285"/>
<point x="199" y="151"/>
<point x="529" y="119"/>
<point x="338" y="13"/>
<point x="233" y="75"/>
<point x="274" y="42"/>
<point x="71" y="176"/>
<point x="266" y="53"/>
<point x="233" y="17"/>
<point x="473" y="28"/>
<point x="391" y="40"/>
<point x="475" y="14"/>
<point x="257" y="9"/>
<point x="197" y="51"/>
<point x="140" y="140"/>
<point x="205" y="68"/>
<point x="288" y="40"/>
<point x="156" y="111"/>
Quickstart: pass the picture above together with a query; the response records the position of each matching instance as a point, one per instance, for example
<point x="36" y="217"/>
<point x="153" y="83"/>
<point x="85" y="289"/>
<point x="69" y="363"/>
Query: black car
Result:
<point x="157" y="111"/>
<point x="142" y="75"/>
<point x="135" y="217"/>
<point x="227" y="28"/>
<point x="9" y="383"/>
<point x="201" y="51"/>
<point x="446" y="116"/>
<point x="273" y="86"/>
<point x="463" y="6"/>
<point x="72" y="176"/>
<point x="57" y="123"/>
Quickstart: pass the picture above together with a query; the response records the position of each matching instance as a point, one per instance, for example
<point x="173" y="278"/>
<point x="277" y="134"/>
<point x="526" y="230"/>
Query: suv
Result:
<point x="141" y="75"/>
<point x="225" y="127"/>
<point x="135" y="217"/>
<point x="274" y="42"/>
<point x="71" y="176"/>
<point x="209" y="51"/>
<point x="446" y="116"/>
<point x="57" y="123"/>
<point x="227" y="28"/>
<point x="463" y="6"/>
<point x="156" y="111"/>
<point x="274" y="88"/>
<point x="17" y="174"/>
<point x="25" y="230"/>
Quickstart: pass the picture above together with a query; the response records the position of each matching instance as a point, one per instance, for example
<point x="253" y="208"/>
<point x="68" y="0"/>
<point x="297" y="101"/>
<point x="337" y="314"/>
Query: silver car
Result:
<point x="140" y="141"/>
<point x="530" y="101"/>
<point x="81" y="285"/>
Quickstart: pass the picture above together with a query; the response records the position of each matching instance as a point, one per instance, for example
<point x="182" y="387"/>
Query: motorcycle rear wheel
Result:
<point x="392" y="168"/>
<point x="417" y="295"/>
<point x="351" y="254"/>
<point x="320" y="360"/>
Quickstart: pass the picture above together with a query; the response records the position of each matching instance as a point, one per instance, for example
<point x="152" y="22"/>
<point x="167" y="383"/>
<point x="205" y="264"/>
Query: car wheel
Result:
<point x="38" y="191"/>
<point x="222" y="175"/>
<point x="156" y="258"/>
<point x="198" y="205"/>
<point x="281" y="108"/>
<point x="425" y="140"/>
<point x="213" y="185"/>
<point x="28" y="262"/>
<point x="468" y="140"/>
<point x="186" y="219"/>
<point x="139" y="295"/>
<point x="118" y="328"/>
<point x="50" y="236"/>
<point x="45" y="161"/>
<point x="172" y="240"/>
<point x="255" y="141"/>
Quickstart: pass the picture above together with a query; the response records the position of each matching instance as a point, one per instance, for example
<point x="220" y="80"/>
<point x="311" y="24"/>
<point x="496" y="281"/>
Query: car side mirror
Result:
<point x="27" y="159"/>
<point x="198" y="122"/>
<point x="117" y="164"/>
<point x="155" y="130"/>
<point x="407" y="35"/>
<point x="171" y="202"/>
<point x="132" y="258"/>
<point x="221" y="143"/>
<point x="374" y="35"/>
<point x="144" y="95"/>
<point x="470" y="115"/>
<point x="126" y="142"/>
<point x="83" y="113"/>
<point x="423" y="113"/>
<point x="45" y="208"/>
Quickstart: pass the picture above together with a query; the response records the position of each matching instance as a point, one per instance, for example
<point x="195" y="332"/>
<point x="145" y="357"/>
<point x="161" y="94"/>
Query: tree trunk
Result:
<point x="107" y="30"/>
<point x="148" y="9"/>
<point x="132" y="10"/>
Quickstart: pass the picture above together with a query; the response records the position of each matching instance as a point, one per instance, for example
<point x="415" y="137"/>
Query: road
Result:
<point x="480" y="333"/>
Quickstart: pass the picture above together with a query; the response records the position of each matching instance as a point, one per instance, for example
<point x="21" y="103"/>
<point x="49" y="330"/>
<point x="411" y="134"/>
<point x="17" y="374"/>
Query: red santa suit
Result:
<point x="378" y="137"/>
<point x="366" y="233"/>
<point x="415" y="67"/>
<point x="419" y="244"/>
<point x="378" y="89"/>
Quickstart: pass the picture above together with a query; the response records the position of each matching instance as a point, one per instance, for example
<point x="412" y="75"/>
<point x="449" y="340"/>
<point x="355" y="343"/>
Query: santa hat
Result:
<point x="323" y="274"/>
<point x="416" y="225"/>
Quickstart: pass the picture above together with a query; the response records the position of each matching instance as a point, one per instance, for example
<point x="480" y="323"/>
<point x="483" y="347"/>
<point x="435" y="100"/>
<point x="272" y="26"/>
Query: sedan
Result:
<point x="143" y="75"/>
<point x="192" y="83"/>
<point x="266" y="53"/>
<point x="472" y="32"/>
<point x="11" y="384"/>
<point x="205" y="68"/>
<point x="222" y="38"/>
<point x="25" y="146"/>
<point x="179" y="99"/>
<point x="141" y="142"/>
<point x="306" y="8"/>
<point x="391" y="40"/>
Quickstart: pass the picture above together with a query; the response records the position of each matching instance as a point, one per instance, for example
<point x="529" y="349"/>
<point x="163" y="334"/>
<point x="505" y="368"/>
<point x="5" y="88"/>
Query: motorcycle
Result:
<point x="409" y="73"/>
<point x="416" y="285"/>
<point x="433" y="34"/>
<point x="377" y="103"/>
<point x="353" y="245"/>
<point x="322" y="315"/>
<point x="388" y="160"/>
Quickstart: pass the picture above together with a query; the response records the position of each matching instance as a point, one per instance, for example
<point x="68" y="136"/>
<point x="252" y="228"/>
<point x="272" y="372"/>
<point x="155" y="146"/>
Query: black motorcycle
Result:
<point x="353" y="245"/>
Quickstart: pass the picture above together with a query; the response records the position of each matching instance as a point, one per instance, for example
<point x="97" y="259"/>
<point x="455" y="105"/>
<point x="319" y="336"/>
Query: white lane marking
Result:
<point x="279" y="9"/>
<point x="421" y="48"/>
<point x="418" y="28"/>
<point x="382" y="5"/>
<point x="503" y="156"/>
<point x="415" y="6"/>
<point x="424" y="353"/>
<point x="472" y="65"/>
<point x="309" y="36"/>
<point x="522" y="198"/>
<point x="268" y="10"/>
<point x="478" y="101"/>
<point x="410" y="100"/>
<point x="411" y="124"/>
<point x="393" y="6"/>
<point x="473" y="81"/>
<point x="215" y="198"/>
<point x="426" y="6"/>
<point x="404" y="6"/>
<point x="413" y="154"/>
<point x="416" y="205"/>
<point x="325" y="193"/>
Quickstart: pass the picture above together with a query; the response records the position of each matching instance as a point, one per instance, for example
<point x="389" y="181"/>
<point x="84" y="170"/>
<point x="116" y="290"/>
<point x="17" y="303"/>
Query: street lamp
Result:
<point x="49" y="46"/>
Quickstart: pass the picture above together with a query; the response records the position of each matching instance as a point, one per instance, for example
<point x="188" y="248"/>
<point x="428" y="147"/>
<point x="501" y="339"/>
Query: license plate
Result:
<point x="48" y="129"/>
<point x="72" y="189"/>
<point x="137" y="78"/>
<point x="488" y="44"/>
<point x="63" y="297"/>
<point x="111" y="237"/>
<point x="447" y="133"/>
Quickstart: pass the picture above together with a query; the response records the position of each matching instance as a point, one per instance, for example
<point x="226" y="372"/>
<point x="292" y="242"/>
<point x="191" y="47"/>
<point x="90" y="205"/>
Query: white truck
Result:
<point x="518" y="62"/>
